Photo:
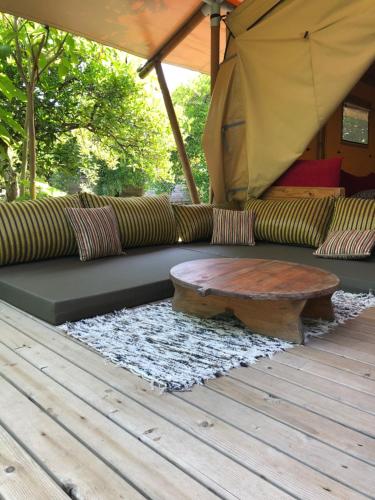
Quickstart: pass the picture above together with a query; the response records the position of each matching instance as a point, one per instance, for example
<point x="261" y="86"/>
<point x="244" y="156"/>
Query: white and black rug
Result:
<point x="174" y="351"/>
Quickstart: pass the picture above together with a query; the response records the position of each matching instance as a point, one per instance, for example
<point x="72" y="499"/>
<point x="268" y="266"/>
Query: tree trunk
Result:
<point x="24" y="156"/>
<point x="31" y="140"/>
<point x="11" y="184"/>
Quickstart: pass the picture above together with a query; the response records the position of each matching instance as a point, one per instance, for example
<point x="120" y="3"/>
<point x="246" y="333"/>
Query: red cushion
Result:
<point x="312" y="173"/>
<point x="354" y="184"/>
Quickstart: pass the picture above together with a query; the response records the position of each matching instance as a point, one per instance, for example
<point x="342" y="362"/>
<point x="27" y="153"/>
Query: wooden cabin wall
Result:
<point x="358" y="160"/>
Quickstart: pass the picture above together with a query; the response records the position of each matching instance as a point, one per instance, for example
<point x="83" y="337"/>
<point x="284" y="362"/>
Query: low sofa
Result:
<point x="62" y="288"/>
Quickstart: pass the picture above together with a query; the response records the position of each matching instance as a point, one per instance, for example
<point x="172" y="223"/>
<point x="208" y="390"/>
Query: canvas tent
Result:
<point x="288" y="65"/>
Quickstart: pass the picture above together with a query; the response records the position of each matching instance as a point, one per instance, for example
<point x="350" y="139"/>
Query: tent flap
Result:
<point x="295" y="67"/>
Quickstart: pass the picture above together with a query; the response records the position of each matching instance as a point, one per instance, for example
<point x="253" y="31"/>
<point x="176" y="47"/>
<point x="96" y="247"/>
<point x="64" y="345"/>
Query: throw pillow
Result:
<point x="312" y="173"/>
<point x="232" y="227"/>
<point x="142" y="221"/>
<point x="194" y="222"/>
<point x="353" y="213"/>
<point x="96" y="232"/>
<point x="350" y="244"/>
<point x="36" y="230"/>
<point x="296" y="221"/>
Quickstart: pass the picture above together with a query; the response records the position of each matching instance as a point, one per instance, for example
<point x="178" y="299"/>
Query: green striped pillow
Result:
<point x="36" y="230"/>
<point x="296" y="221"/>
<point x="145" y="220"/>
<point x="353" y="213"/>
<point x="194" y="222"/>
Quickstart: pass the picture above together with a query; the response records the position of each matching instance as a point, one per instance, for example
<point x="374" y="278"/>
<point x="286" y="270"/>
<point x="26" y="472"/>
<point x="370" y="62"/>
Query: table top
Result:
<point x="262" y="279"/>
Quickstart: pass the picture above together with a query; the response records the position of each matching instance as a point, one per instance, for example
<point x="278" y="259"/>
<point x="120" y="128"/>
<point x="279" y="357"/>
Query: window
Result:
<point x="355" y="123"/>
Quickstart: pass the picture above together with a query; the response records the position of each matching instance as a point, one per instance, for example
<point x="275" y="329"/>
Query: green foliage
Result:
<point x="192" y="102"/>
<point x="97" y="125"/>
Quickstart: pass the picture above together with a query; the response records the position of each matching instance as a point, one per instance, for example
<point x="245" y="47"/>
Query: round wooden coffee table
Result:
<point x="268" y="296"/>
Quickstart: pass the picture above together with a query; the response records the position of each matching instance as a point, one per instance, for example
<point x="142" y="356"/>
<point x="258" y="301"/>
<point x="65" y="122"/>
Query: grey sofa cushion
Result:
<point x="66" y="289"/>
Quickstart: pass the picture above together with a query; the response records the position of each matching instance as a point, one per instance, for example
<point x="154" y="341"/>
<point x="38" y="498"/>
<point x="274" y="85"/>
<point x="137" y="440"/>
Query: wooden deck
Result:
<point x="75" y="426"/>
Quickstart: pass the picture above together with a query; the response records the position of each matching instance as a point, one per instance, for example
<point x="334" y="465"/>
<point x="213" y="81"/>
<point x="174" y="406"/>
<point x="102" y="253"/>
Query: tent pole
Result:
<point x="215" y="55"/>
<point x="177" y="37"/>
<point x="215" y="42"/>
<point x="177" y="133"/>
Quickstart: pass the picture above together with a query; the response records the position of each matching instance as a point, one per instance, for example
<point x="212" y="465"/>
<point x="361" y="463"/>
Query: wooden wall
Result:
<point x="358" y="160"/>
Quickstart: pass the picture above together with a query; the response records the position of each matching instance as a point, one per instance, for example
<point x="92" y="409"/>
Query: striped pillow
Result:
<point x="96" y="232"/>
<point x="350" y="244"/>
<point x="232" y="227"/>
<point x="36" y="230"/>
<point x="296" y="221"/>
<point x="194" y="222"/>
<point x="142" y="221"/>
<point x="352" y="213"/>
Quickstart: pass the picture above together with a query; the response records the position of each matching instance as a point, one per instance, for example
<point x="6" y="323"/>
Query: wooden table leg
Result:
<point x="275" y="318"/>
<point x="319" y="308"/>
<point x="190" y="302"/>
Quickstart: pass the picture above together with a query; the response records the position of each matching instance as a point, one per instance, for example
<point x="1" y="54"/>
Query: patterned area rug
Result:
<point x="174" y="351"/>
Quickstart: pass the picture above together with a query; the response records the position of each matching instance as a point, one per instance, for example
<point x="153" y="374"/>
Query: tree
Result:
<point x="192" y="102"/>
<point x="34" y="49"/>
<point x="9" y="129"/>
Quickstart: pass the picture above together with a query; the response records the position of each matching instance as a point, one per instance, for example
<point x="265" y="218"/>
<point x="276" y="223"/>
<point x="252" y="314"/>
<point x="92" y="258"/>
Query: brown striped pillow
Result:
<point x="353" y="213"/>
<point x="142" y="221"/>
<point x="96" y="232"/>
<point x="36" y="230"/>
<point x="349" y="244"/>
<point x="232" y="227"/>
<point x="194" y="222"/>
<point x="301" y="221"/>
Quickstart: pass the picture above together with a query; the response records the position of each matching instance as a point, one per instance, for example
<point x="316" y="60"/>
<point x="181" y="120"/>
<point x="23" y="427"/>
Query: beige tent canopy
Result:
<point x="288" y="65"/>
<point x="139" y="27"/>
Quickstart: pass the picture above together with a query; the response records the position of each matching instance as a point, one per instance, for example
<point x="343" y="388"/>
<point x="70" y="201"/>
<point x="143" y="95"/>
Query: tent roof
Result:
<point x="139" y="27"/>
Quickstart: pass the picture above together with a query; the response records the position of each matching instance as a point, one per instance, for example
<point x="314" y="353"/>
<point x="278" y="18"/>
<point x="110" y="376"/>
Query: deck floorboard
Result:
<point x="298" y="426"/>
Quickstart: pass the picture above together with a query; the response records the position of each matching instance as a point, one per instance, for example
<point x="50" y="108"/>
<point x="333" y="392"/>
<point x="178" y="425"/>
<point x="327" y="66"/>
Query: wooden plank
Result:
<point x="348" y="341"/>
<point x="336" y="411"/>
<point x="21" y="477"/>
<point x="359" y="383"/>
<point x="343" y="350"/>
<point x="318" y="384"/>
<point x="282" y="192"/>
<point x="220" y="435"/>
<point x="77" y="470"/>
<point x="337" y="361"/>
<point x="126" y="454"/>
<point x="326" y="459"/>
<point x="312" y="424"/>
<point x="225" y="477"/>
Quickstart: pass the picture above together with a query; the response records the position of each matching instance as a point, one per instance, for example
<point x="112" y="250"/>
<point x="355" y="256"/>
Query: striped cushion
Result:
<point x="36" y="230"/>
<point x="232" y="227"/>
<point x="296" y="221"/>
<point x="350" y="244"/>
<point x="352" y="213"/>
<point x="96" y="232"/>
<point x="142" y="221"/>
<point x="194" y="222"/>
